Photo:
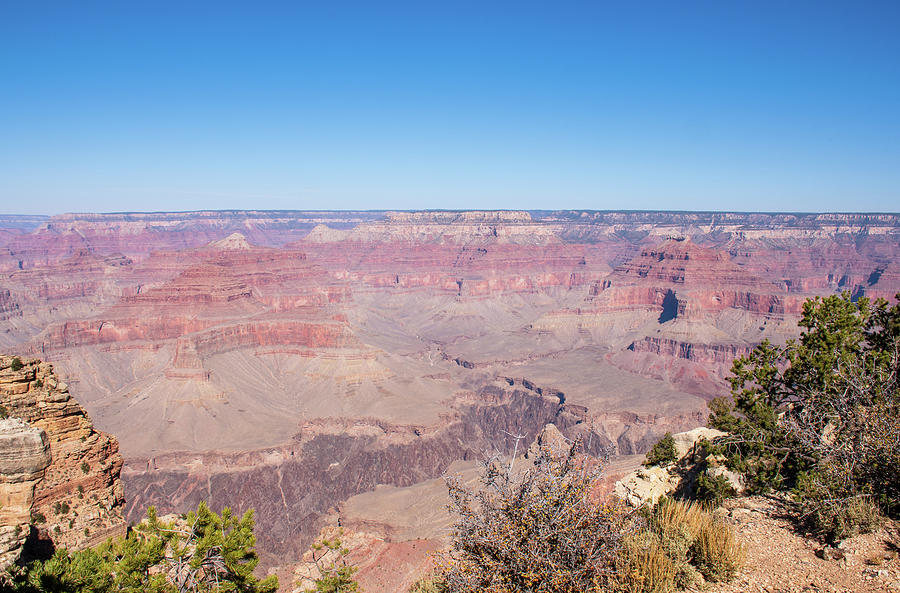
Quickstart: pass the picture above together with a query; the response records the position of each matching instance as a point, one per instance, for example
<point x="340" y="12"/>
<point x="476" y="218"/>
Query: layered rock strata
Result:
<point x="24" y="456"/>
<point x="78" y="501"/>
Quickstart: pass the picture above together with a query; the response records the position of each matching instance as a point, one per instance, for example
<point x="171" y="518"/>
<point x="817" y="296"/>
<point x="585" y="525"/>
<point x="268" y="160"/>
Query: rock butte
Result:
<point x="303" y="362"/>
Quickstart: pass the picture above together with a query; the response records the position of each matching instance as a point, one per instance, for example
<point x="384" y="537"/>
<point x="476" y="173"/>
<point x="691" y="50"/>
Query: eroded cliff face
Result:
<point x="77" y="498"/>
<point x="24" y="456"/>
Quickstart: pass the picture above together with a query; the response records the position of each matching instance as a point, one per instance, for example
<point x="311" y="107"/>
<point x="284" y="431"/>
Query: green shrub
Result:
<point x="713" y="490"/>
<point x="209" y="552"/>
<point x="38" y="517"/>
<point x="4" y="413"/>
<point x="819" y="416"/>
<point x="16" y="364"/>
<point x="834" y="518"/>
<point x="663" y="452"/>
<point x="85" y="468"/>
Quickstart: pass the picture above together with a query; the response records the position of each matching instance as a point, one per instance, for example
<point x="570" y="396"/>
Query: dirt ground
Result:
<point x="781" y="559"/>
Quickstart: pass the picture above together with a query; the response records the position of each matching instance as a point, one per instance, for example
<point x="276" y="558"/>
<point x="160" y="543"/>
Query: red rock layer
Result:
<point x="470" y="270"/>
<point x="702" y="280"/>
<point x="228" y="296"/>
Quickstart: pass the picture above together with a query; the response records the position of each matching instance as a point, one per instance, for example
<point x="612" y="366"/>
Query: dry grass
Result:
<point x="646" y="568"/>
<point x="683" y="541"/>
<point x="716" y="552"/>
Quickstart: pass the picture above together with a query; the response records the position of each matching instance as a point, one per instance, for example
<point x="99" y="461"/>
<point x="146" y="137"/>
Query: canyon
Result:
<point x="306" y="363"/>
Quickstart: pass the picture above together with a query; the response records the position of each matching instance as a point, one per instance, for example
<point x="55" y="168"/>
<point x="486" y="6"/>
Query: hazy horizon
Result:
<point x="451" y="210"/>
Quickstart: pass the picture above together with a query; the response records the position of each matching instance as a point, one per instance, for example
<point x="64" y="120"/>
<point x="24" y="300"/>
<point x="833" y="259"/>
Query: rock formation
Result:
<point x="647" y="485"/>
<point x="24" y="455"/>
<point x="77" y="498"/>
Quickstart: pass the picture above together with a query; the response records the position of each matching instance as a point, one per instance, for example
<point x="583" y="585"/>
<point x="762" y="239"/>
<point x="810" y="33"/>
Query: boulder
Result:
<point x="646" y="486"/>
<point x="685" y="441"/>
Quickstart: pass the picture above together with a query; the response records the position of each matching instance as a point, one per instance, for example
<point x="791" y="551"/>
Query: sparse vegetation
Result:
<point x="85" y="468"/>
<point x="663" y="452"/>
<point x="428" y="585"/>
<point x="335" y="574"/>
<point x="16" y="364"/>
<point x="60" y="508"/>
<point x="38" y="517"/>
<point x="544" y="531"/>
<point x="712" y="490"/>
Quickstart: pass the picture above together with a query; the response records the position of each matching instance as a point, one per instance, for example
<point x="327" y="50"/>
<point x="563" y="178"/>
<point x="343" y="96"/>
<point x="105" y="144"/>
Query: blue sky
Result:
<point x="783" y="106"/>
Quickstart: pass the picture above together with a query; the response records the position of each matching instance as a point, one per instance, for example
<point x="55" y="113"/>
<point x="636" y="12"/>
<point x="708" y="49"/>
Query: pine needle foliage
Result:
<point x="663" y="452"/>
<point x="335" y="574"/>
<point x="820" y="415"/>
<point x="200" y="552"/>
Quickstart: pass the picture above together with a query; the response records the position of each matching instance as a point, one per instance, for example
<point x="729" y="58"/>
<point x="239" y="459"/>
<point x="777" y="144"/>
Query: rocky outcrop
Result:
<point x="79" y="499"/>
<point x="549" y="440"/>
<point x="713" y="354"/>
<point x="648" y="484"/>
<point x="686" y="280"/>
<point x="24" y="455"/>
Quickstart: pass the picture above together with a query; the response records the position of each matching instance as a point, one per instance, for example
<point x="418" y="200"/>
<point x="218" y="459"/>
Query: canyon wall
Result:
<point x="289" y="361"/>
<point x="77" y="497"/>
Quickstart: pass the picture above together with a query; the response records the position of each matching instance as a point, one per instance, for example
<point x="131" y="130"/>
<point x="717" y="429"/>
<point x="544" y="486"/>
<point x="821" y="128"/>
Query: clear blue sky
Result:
<point x="677" y="105"/>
